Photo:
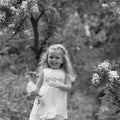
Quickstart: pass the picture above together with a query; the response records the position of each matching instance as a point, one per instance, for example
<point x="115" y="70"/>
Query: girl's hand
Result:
<point x="55" y="84"/>
<point x="32" y="95"/>
<point x="60" y="85"/>
<point x="30" y="75"/>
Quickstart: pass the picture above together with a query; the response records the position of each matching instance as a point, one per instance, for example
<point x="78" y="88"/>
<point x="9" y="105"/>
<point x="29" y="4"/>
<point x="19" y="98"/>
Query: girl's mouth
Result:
<point x="54" y="64"/>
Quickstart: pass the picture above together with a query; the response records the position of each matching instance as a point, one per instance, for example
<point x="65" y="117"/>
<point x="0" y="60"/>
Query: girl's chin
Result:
<point x="54" y="67"/>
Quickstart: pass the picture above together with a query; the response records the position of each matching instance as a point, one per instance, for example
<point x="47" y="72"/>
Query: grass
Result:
<point x="15" y="106"/>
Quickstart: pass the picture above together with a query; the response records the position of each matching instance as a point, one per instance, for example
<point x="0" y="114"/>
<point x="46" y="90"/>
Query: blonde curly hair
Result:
<point x="66" y="66"/>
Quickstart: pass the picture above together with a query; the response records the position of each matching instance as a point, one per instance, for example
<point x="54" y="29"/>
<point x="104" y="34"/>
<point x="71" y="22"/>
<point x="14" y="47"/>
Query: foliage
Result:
<point x="60" y="21"/>
<point x="13" y="102"/>
<point x="100" y="23"/>
<point x="44" y="20"/>
<point x="48" y="18"/>
<point x="34" y="14"/>
<point x="81" y="106"/>
<point x="109" y="80"/>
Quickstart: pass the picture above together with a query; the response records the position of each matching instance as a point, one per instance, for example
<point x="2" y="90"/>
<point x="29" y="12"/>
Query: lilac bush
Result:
<point x="109" y="80"/>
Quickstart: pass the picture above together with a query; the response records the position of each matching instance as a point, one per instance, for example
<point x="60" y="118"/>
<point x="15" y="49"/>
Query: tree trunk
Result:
<point x="36" y="36"/>
<point x="37" y="46"/>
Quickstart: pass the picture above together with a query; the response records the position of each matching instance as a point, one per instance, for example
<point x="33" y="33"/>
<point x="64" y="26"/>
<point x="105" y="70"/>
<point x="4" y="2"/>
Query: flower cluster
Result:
<point x="104" y="71"/>
<point x="104" y="66"/>
<point x="113" y="75"/>
<point x="109" y="81"/>
<point x="95" y="79"/>
<point x="2" y="16"/>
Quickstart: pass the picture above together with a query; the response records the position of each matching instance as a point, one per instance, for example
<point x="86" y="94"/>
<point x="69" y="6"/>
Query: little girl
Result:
<point x="55" y="77"/>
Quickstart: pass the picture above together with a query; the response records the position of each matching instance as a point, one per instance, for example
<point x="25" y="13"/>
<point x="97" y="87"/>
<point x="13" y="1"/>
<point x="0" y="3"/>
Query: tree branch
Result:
<point x="18" y="29"/>
<point x="40" y="15"/>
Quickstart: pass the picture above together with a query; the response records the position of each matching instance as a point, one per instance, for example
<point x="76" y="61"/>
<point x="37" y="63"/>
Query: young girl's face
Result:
<point x="55" y="59"/>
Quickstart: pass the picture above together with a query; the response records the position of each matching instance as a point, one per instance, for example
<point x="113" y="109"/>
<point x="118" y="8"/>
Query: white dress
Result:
<point x="53" y="103"/>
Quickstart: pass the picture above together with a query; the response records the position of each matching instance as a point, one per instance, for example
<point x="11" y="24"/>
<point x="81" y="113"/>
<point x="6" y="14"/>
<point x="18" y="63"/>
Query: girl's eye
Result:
<point x="51" y="57"/>
<point x="57" y="58"/>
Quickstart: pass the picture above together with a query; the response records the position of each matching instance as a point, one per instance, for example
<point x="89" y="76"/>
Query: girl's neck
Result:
<point x="54" y="68"/>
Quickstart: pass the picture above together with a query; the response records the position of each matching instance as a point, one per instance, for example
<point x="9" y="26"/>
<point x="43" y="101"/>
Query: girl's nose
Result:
<point x="53" y="59"/>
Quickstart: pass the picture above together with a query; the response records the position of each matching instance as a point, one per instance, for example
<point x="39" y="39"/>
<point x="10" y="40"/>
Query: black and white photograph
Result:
<point x="59" y="59"/>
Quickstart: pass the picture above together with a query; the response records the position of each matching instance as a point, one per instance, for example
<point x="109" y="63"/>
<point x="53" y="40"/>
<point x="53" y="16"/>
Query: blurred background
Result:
<point x="90" y="30"/>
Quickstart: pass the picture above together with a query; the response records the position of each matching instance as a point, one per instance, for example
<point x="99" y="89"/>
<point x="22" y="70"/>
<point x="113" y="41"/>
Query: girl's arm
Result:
<point x="37" y="86"/>
<point x="39" y="81"/>
<point x="65" y="87"/>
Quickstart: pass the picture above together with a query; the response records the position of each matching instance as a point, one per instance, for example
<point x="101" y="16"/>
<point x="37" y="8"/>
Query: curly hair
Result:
<point x="66" y="66"/>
